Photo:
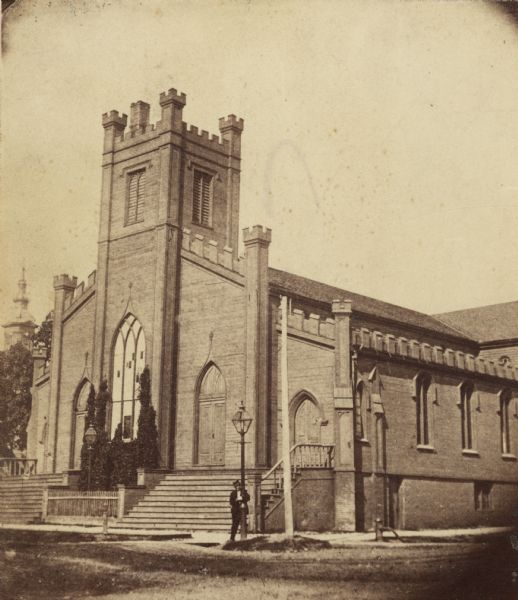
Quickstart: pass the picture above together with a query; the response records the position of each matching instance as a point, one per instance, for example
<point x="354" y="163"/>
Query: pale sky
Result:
<point x="380" y="142"/>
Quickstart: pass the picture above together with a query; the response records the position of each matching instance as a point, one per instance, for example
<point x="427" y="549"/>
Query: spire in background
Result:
<point x="21" y="327"/>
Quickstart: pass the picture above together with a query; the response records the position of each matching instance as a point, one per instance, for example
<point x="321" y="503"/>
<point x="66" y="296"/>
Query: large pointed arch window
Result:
<point x="129" y="359"/>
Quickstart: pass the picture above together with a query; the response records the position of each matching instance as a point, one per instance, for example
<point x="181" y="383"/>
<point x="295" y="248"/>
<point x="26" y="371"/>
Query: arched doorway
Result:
<point x="211" y="403"/>
<point x="307" y="421"/>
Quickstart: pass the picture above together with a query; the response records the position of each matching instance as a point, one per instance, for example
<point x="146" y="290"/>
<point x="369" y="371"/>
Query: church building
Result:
<point x="394" y="414"/>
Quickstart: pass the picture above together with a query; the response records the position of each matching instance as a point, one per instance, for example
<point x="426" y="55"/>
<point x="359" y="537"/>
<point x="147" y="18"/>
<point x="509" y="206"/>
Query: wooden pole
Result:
<point x="286" y="471"/>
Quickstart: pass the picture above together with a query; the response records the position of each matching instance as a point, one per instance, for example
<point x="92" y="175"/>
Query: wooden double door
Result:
<point x="211" y="432"/>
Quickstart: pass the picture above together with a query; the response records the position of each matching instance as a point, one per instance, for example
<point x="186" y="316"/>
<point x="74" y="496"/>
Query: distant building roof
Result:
<point x="321" y="292"/>
<point x="486" y="323"/>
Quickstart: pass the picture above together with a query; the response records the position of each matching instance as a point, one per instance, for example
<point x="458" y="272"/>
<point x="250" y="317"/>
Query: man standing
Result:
<point x="238" y="506"/>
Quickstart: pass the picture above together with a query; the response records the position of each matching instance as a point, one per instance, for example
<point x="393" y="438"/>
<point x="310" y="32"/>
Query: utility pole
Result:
<point x="286" y="471"/>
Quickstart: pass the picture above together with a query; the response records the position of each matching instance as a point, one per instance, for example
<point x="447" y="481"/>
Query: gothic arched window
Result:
<point x="466" y="415"/>
<point x="505" y="433"/>
<point x="361" y="411"/>
<point x="129" y="360"/>
<point x="422" y="404"/>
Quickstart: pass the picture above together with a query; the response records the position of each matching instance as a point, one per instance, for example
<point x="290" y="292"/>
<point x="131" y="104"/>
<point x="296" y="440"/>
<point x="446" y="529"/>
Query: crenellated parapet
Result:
<point x="118" y="135"/>
<point x="210" y="250"/>
<point x="80" y="291"/>
<point x="397" y="346"/>
<point x="193" y="134"/>
<point x="311" y="323"/>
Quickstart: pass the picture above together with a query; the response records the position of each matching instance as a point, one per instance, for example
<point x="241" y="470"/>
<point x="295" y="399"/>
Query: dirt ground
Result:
<point x="52" y="566"/>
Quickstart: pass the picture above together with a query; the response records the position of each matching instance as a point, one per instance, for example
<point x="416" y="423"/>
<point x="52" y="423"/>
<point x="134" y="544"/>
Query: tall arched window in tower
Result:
<point x="79" y="422"/>
<point x="505" y="435"/>
<point x="466" y="415"/>
<point x="210" y="417"/>
<point x="422" y="404"/>
<point x="129" y="360"/>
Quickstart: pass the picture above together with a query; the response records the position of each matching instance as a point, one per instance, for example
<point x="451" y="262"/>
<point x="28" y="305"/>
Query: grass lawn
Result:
<point x="48" y="565"/>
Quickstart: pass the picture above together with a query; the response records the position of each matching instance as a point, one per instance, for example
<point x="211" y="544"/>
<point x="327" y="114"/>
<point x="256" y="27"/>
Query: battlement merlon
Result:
<point x="257" y="234"/>
<point x="114" y="125"/>
<point x="341" y="307"/>
<point x="231" y="129"/>
<point x="113" y="119"/>
<point x="65" y="282"/>
<point x="172" y="104"/>
<point x="139" y="116"/>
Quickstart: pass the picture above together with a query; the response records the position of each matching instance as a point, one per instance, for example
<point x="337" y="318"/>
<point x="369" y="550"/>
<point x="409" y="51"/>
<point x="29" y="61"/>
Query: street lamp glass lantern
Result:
<point x="242" y="420"/>
<point x="90" y="436"/>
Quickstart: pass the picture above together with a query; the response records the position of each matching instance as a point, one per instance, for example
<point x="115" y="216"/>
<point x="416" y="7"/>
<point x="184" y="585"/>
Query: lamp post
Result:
<point x="242" y="421"/>
<point x="90" y="438"/>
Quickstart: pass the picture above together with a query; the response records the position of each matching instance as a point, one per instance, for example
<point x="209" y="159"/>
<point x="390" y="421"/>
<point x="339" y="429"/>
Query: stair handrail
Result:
<point x="328" y="462"/>
<point x="14" y="467"/>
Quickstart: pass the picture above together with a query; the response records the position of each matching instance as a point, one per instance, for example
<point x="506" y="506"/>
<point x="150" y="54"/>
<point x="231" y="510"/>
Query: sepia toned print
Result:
<point x="335" y="384"/>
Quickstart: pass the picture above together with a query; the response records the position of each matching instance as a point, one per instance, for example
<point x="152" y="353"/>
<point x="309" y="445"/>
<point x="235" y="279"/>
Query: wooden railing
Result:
<point x="302" y="456"/>
<point x="15" y="467"/>
<point x="71" y="503"/>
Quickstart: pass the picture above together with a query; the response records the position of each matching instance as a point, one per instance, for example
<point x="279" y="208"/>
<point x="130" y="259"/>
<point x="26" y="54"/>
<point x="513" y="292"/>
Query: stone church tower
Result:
<point x="148" y="171"/>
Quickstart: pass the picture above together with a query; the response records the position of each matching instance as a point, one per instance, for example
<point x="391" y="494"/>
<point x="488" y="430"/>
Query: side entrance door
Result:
<point x="307" y="423"/>
<point x="211" y="435"/>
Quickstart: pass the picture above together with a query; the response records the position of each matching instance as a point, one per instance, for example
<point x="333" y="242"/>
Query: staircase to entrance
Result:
<point x="311" y="467"/>
<point x="187" y="501"/>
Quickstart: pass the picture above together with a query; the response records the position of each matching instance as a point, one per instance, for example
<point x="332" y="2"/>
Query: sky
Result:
<point x="380" y="142"/>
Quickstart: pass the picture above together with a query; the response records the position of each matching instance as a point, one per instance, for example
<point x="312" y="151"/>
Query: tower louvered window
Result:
<point x="136" y="193"/>
<point x="202" y="199"/>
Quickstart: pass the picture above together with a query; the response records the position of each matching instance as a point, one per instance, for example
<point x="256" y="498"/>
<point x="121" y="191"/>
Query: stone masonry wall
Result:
<point x="77" y="340"/>
<point x="445" y="457"/>
<point x="211" y="329"/>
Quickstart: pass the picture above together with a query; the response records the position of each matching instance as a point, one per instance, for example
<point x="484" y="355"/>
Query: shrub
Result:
<point x="147" y="434"/>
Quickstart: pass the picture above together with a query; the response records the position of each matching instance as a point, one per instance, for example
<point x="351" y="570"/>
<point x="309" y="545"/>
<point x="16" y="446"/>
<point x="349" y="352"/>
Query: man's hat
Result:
<point x="237" y="481"/>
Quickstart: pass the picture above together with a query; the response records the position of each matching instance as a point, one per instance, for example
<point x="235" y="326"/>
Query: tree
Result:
<point x="101" y="467"/>
<point x="147" y="433"/>
<point x="15" y="398"/>
<point x="123" y="460"/>
<point x="90" y="420"/>
<point x="43" y="335"/>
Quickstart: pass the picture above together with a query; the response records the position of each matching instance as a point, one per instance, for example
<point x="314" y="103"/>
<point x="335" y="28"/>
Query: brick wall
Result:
<point x="446" y="457"/>
<point x="441" y="504"/>
<point x="132" y="261"/>
<point x="310" y="369"/>
<point x="496" y="353"/>
<point x="77" y="340"/>
<point x="209" y="304"/>
<point x="38" y="420"/>
<point x="313" y="504"/>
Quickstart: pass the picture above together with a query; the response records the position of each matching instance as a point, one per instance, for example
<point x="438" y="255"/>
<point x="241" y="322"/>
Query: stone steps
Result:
<point x="186" y="501"/>
<point x="21" y="497"/>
